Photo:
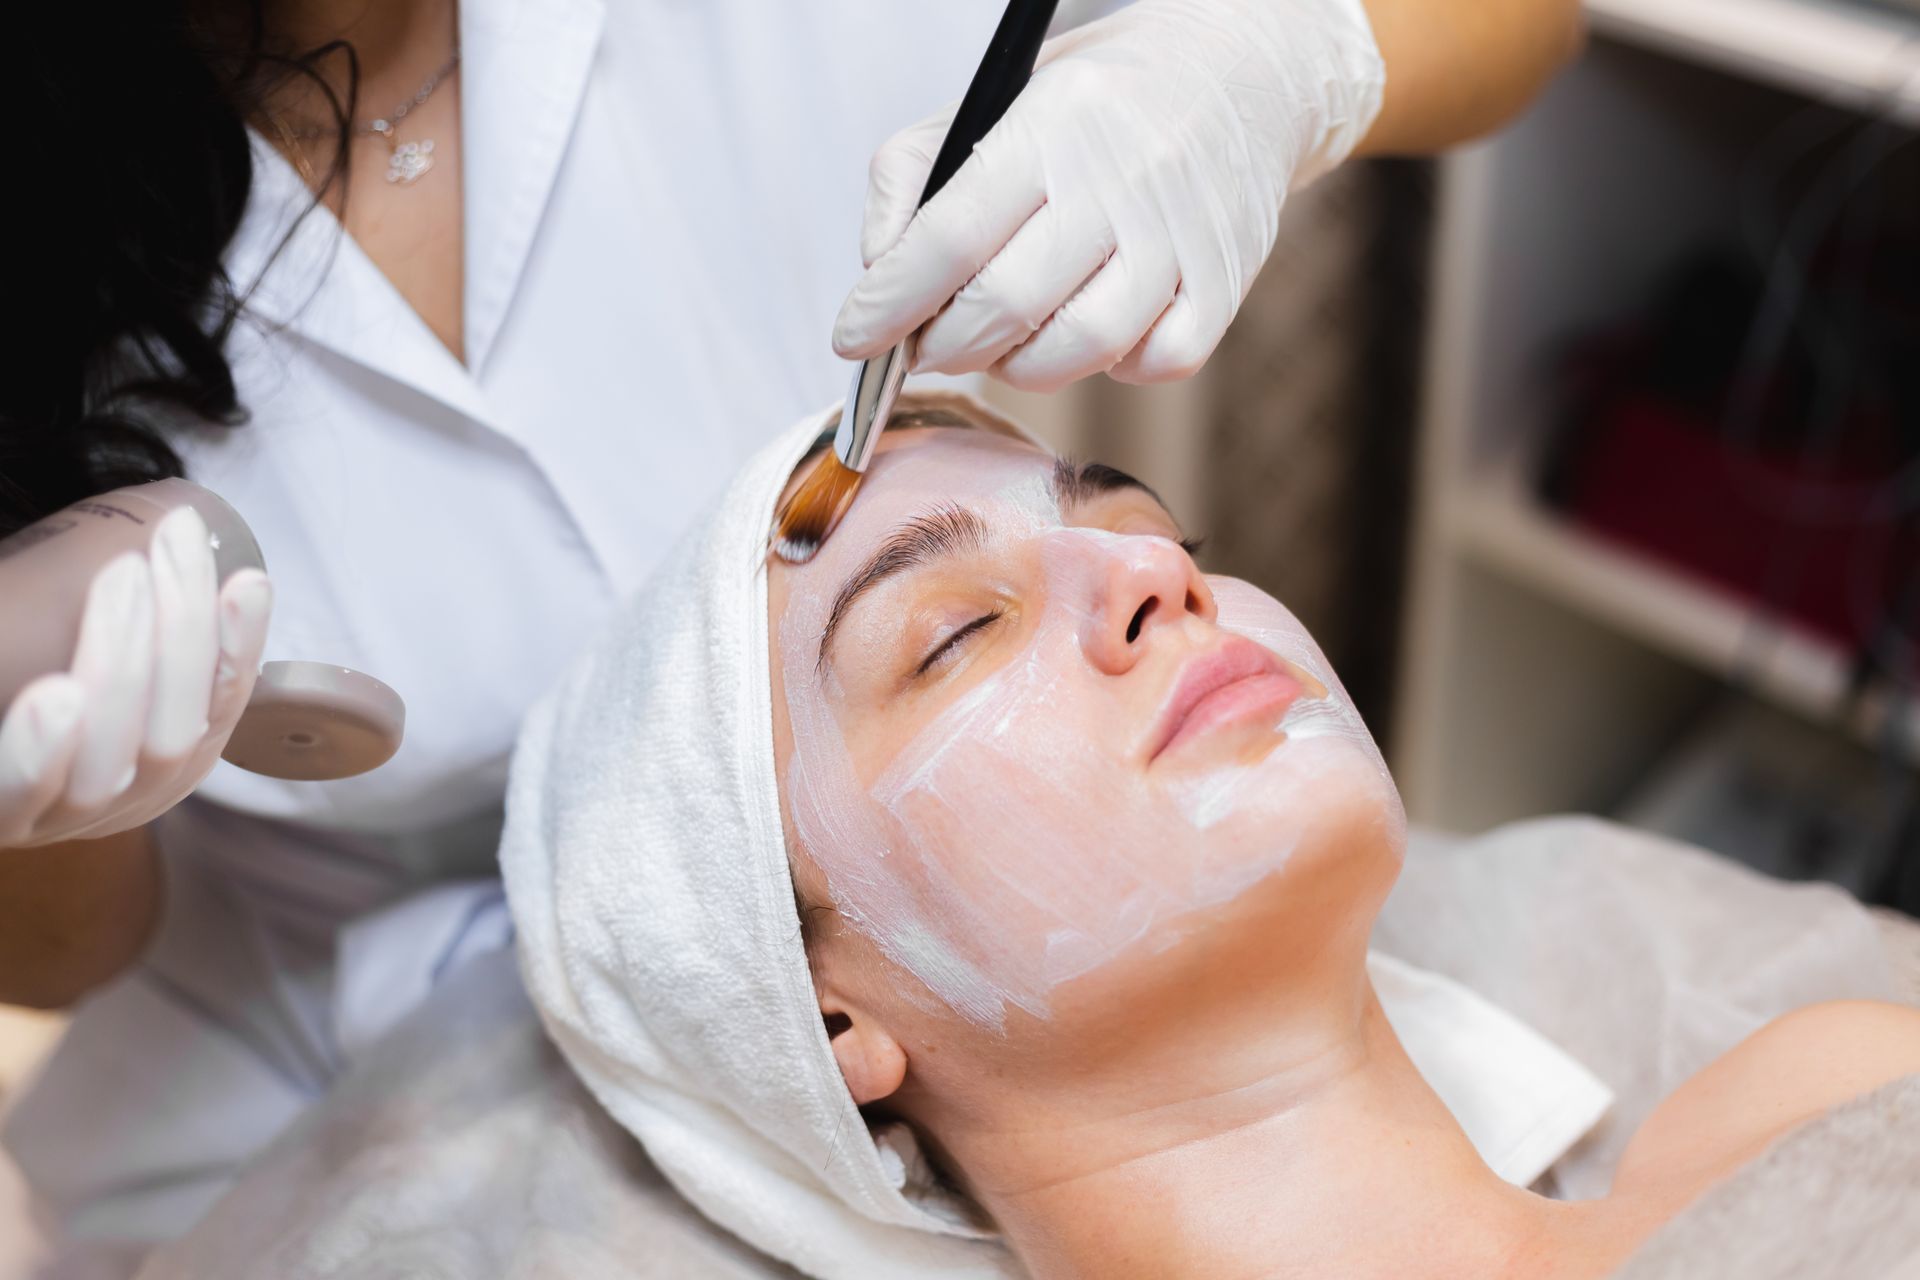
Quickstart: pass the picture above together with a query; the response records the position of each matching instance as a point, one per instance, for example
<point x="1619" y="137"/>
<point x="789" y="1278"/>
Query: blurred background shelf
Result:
<point x="1544" y="667"/>
<point x="1836" y="50"/>
<point x="1502" y="527"/>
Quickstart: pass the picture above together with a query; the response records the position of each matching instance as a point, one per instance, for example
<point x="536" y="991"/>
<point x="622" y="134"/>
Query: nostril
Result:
<point x="1140" y="618"/>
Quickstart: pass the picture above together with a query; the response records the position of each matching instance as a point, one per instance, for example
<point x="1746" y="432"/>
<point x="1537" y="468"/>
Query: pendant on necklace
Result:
<point x="406" y="161"/>
<point x="409" y="160"/>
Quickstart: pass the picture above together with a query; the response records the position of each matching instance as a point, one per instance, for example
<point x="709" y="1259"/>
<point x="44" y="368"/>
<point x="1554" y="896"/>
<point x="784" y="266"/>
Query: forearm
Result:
<point x="73" y="915"/>
<point x="1460" y="68"/>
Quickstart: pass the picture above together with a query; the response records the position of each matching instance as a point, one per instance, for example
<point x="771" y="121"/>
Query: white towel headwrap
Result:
<point x="647" y="873"/>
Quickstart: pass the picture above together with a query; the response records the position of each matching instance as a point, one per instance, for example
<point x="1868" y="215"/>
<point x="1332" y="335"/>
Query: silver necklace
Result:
<point x="407" y="161"/>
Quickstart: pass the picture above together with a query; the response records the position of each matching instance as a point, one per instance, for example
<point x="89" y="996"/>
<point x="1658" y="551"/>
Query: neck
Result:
<point x="396" y="42"/>
<point x="1336" y="1159"/>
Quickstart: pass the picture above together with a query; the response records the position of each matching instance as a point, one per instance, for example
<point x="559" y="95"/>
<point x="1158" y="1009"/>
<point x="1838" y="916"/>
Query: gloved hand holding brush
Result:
<point x="1116" y="216"/>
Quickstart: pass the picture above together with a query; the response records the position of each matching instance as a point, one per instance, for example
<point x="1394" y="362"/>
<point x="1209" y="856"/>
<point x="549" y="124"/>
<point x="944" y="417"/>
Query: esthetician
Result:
<point x="467" y="310"/>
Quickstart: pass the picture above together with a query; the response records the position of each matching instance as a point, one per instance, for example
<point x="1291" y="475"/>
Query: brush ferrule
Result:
<point x="876" y="385"/>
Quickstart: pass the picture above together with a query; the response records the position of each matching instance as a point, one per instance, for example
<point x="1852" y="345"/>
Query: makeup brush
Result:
<point x="810" y="515"/>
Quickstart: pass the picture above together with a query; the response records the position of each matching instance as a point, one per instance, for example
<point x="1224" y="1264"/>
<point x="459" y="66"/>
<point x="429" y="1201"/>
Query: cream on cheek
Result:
<point x="1010" y="846"/>
<point x="1324" y="734"/>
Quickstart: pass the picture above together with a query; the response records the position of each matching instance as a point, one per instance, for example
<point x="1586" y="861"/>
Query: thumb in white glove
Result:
<point x="163" y="668"/>
<point x="1116" y="216"/>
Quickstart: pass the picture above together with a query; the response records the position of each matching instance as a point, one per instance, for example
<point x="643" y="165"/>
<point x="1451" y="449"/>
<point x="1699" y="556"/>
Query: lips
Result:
<point x="1225" y="685"/>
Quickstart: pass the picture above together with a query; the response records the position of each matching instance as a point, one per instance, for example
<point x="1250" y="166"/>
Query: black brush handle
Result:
<point x="1004" y="72"/>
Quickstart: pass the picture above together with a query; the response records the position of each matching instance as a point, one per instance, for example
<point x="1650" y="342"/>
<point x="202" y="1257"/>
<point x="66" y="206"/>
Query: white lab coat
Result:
<point x="663" y="203"/>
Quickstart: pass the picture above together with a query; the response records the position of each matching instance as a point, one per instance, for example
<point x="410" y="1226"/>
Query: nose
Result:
<point x="1141" y="584"/>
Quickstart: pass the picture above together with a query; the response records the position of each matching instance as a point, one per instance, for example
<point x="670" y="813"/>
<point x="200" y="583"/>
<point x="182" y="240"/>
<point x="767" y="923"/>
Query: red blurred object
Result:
<point x="1804" y="539"/>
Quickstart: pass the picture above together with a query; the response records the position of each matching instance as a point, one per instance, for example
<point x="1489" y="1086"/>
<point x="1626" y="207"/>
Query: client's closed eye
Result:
<point x="950" y="646"/>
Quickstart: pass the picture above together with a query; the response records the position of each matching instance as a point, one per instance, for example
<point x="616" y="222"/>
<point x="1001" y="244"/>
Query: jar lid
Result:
<point x="315" y="722"/>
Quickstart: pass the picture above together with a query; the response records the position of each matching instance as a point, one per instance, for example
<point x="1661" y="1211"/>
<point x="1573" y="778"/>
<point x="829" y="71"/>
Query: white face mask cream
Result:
<point x="1048" y="800"/>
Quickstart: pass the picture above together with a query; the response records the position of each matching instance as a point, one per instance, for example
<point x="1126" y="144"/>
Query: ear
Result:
<point x="871" y="1061"/>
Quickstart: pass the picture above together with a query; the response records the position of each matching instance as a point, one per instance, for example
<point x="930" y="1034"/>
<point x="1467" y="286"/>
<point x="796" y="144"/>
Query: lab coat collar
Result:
<point x="525" y="67"/>
<point x="300" y="272"/>
<point x="525" y="64"/>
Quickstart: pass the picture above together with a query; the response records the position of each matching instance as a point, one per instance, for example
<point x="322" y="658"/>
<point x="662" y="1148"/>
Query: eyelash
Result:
<point x="940" y="650"/>
<point x="1191" y="546"/>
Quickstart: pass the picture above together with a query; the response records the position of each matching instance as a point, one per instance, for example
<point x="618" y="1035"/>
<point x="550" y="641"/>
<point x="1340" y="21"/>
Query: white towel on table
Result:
<point x="648" y="880"/>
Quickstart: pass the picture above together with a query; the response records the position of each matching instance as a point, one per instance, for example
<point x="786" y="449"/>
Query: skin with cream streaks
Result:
<point x="1048" y="638"/>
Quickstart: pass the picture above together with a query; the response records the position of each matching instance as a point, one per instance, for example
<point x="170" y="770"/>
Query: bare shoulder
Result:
<point x="1791" y="1070"/>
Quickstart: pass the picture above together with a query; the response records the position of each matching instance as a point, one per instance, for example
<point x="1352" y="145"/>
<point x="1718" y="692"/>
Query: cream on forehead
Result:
<point x="935" y="471"/>
<point x="991" y="857"/>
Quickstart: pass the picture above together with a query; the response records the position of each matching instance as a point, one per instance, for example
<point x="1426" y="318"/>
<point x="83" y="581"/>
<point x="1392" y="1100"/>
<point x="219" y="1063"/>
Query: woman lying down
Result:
<point x="1068" y="889"/>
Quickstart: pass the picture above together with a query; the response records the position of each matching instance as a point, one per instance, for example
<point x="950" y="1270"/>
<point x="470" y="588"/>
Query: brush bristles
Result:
<point x="809" y="516"/>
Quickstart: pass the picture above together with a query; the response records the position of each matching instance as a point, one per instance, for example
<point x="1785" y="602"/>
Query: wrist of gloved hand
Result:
<point x="165" y="661"/>
<point x="1116" y="216"/>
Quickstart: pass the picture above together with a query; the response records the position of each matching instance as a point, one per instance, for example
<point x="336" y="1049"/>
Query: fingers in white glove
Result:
<point x="246" y="604"/>
<point x="186" y="638"/>
<point x="162" y="671"/>
<point x="1049" y="259"/>
<point x="895" y="179"/>
<point x="944" y="245"/>
<point x="243" y="608"/>
<point x="1176" y="347"/>
<point x="1212" y="286"/>
<point x="898" y="171"/>
<point x="114" y="664"/>
<point x="1098" y="326"/>
<point x="37" y="743"/>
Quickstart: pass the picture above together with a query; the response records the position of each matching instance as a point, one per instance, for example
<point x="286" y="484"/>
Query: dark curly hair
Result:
<point x="131" y="177"/>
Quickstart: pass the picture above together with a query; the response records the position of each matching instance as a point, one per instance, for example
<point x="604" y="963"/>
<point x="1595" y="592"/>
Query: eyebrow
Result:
<point x="952" y="529"/>
<point x="925" y="538"/>
<point x="1076" y="482"/>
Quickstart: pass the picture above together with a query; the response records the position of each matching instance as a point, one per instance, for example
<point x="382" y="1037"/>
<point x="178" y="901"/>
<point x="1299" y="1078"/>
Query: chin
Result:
<point x="1313" y="801"/>
<point x="1287" y="886"/>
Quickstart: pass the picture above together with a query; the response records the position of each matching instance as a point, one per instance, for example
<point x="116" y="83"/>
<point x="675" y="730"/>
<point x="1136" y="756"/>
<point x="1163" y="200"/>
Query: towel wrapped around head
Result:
<point x="647" y="872"/>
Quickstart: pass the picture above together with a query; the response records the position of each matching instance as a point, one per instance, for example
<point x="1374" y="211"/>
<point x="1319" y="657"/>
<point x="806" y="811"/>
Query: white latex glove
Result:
<point x="1116" y="216"/>
<point x="163" y="668"/>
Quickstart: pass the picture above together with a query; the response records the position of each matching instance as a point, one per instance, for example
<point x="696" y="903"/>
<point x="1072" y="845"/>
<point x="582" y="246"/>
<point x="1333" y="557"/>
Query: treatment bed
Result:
<point x="461" y="1145"/>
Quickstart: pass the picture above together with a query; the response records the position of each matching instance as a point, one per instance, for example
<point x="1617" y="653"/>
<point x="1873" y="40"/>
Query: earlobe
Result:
<point x="871" y="1061"/>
